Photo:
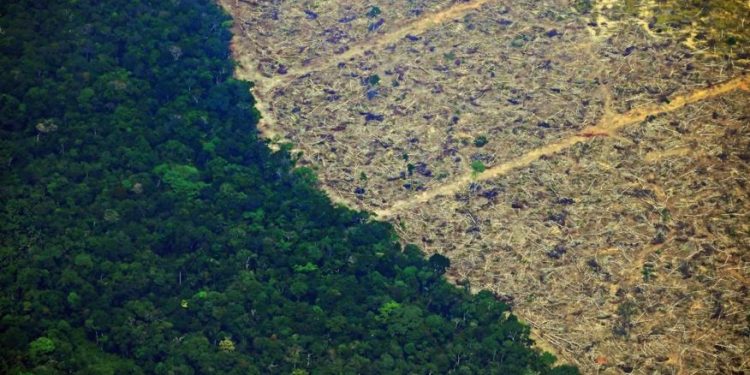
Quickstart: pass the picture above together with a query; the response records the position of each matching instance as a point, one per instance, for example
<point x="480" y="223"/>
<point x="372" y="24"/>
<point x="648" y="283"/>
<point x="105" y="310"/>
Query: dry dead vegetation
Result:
<point x="588" y="163"/>
<point x="628" y="250"/>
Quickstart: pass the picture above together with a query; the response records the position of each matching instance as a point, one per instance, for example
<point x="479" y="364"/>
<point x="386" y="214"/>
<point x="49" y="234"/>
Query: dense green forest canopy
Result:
<point x="145" y="228"/>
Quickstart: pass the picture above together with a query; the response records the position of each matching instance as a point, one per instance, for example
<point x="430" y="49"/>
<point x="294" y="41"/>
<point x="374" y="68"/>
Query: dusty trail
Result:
<point x="265" y="85"/>
<point x="414" y="27"/>
<point x="607" y="127"/>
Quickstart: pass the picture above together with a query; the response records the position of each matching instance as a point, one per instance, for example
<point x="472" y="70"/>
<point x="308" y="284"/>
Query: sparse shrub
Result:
<point x="624" y="322"/>
<point x="374" y="12"/>
<point x="583" y="6"/>
<point x="373" y="80"/>
<point x="480" y="141"/>
<point x="478" y="167"/>
<point x="647" y="272"/>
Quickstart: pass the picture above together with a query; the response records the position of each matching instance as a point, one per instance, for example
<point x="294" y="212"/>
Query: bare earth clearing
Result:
<point x="587" y="161"/>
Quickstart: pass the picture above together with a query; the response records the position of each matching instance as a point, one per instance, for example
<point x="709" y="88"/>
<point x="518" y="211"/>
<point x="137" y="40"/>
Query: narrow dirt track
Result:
<point x="267" y="126"/>
<point x="415" y="27"/>
<point x="607" y="127"/>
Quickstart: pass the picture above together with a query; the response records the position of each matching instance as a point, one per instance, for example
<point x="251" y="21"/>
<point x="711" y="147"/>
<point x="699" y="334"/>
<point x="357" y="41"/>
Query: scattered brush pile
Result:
<point x="289" y="35"/>
<point x="625" y="252"/>
<point x="392" y="122"/>
<point x="716" y="28"/>
<point x="643" y="68"/>
<point x="624" y="249"/>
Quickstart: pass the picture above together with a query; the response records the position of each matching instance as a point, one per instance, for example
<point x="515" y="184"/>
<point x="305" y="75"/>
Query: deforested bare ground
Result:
<point x="627" y="250"/>
<point x="585" y="160"/>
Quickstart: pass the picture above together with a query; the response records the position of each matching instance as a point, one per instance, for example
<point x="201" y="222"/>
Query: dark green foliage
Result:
<point x="583" y="6"/>
<point x="624" y="323"/>
<point x="373" y="12"/>
<point x="477" y="167"/>
<point x="439" y="263"/>
<point x="520" y="40"/>
<point x="480" y="141"/>
<point x="143" y="223"/>
<point x="648" y="272"/>
<point x="373" y="80"/>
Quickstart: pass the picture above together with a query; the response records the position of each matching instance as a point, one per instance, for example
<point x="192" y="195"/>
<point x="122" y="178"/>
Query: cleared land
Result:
<point x="587" y="161"/>
<point x="628" y="249"/>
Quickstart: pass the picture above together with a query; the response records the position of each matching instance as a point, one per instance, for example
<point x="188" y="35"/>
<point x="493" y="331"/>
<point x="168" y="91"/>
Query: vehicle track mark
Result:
<point x="607" y="126"/>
